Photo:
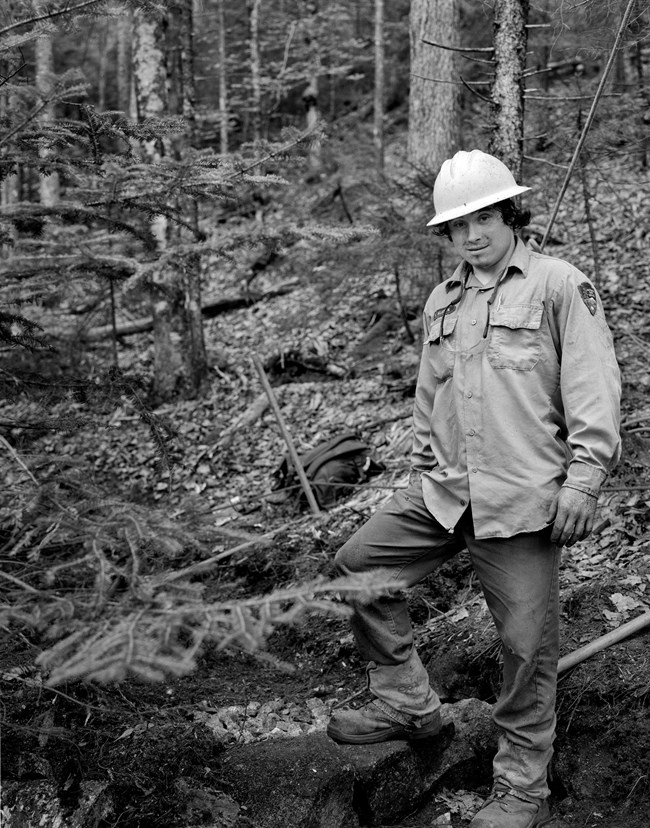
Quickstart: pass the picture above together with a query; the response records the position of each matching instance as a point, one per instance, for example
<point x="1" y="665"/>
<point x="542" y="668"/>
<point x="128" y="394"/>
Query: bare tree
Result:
<point x="434" y="101"/>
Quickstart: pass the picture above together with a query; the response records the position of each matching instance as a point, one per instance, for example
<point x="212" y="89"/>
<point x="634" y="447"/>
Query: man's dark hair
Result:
<point x="512" y="215"/>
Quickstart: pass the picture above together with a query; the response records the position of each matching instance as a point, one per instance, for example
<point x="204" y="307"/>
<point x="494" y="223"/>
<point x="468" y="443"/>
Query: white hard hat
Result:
<point x="470" y="181"/>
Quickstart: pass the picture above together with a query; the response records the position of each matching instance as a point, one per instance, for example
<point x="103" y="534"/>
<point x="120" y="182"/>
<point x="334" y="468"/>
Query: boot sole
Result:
<point x="388" y="735"/>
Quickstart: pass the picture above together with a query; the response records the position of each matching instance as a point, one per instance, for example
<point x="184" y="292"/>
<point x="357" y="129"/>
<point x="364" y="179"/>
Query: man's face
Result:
<point x="482" y="239"/>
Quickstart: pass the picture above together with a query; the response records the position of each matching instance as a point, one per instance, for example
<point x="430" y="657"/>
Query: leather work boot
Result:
<point x="377" y="721"/>
<point x="507" y="808"/>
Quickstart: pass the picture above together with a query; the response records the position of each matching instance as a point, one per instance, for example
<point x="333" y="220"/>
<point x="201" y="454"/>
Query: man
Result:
<point x="515" y="427"/>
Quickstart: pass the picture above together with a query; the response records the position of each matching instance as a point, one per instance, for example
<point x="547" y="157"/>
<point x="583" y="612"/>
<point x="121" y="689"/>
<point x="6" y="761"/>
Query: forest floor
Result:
<point x="146" y="738"/>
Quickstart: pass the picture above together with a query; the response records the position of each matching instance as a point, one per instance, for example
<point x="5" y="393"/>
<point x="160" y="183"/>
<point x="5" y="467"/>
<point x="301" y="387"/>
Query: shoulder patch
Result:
<point x="441" y="311"/>
<point x="588" y="295"/>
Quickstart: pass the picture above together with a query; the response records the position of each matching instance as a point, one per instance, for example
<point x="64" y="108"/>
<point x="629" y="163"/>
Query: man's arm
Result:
<point x="590" y="386"/>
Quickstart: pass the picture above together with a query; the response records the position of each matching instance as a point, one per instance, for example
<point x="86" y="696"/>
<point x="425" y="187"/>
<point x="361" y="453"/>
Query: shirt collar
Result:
<point x="520" y="260"/>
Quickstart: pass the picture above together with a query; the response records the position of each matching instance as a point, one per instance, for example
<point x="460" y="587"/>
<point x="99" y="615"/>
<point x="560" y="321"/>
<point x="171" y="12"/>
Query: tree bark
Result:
<point x="510" y="41"/>
<point x="434" y="99"/>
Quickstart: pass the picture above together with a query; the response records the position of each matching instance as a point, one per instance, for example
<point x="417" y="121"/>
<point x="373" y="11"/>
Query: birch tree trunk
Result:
<point x="434" y="99"/>
<point x="150" y="75"/>
<point x="48" y="184"/>
<point x="510" y="41"/>
<point x="378" y="126"/>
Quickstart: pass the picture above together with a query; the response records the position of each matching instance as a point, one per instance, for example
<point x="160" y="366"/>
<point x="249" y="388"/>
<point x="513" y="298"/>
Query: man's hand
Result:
<point x="572" y="514"/>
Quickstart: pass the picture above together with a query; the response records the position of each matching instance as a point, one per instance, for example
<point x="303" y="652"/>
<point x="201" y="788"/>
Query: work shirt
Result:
<point x="518" y="393"/>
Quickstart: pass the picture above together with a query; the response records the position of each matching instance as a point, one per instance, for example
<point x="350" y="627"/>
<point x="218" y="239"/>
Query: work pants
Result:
<point x="519" y="579"/>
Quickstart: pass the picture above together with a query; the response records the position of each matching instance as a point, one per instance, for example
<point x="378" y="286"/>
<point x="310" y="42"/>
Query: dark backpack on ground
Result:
<point x="328" y="467"/>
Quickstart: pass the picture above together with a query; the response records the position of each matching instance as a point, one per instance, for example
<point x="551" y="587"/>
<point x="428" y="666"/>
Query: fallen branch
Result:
<point x="209" y="311"/>
<point x="208" y="563"/>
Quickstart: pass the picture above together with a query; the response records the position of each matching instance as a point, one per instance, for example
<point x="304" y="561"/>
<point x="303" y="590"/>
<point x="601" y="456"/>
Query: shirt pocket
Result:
<point x="515" y="337"/>
<point x="440" y="347"/>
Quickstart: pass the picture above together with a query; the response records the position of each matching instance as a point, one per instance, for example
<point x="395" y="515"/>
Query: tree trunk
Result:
<point x="256" y="86"/>
<point x="510" y="41"/>
<point x="124" y="27"/>
<point x="378" y="126"/>
<point x="150" y="73"/>
<point x="223" y="79"/>
<point x="48" y="184"/>
<point x="312" y="90"/>
<point x="192" y="336"/>
<point x="105" y="41"/>
<point x="434" y="99"/>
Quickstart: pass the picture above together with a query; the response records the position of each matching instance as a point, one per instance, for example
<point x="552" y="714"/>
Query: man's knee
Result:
<point x="352" y="556"/>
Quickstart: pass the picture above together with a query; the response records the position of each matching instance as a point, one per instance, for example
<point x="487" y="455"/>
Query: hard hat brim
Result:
<point x="478" y="204"/>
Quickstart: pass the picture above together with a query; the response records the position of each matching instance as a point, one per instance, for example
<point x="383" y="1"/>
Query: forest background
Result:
<point x="201" y="196"/>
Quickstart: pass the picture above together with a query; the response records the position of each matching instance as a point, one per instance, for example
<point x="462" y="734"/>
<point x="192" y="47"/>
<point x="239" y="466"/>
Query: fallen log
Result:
<point x="208" y="311"/>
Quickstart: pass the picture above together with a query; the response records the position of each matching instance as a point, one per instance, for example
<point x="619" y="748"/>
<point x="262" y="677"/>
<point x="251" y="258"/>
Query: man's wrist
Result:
<point x="582" y="489"/>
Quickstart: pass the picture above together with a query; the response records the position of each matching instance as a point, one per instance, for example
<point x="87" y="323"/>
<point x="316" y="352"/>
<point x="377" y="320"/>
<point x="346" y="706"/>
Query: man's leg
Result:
<point x="519" y="577"/>
<point x="409" y="543"/>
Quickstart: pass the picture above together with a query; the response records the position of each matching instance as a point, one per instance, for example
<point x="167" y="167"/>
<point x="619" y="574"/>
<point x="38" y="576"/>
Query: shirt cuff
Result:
<point x="585" y="478"/>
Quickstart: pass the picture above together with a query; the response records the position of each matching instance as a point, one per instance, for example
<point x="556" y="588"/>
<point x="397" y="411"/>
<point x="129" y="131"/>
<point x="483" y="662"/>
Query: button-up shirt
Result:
<point x="518" y="393"/>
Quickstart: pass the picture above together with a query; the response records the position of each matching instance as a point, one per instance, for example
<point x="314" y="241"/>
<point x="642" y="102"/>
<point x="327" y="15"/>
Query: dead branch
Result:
<point x="475" y="91"/>
<point x="458" y="48"/>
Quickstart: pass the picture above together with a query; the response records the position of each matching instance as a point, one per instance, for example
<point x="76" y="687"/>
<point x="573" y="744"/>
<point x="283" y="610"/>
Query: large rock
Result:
<point x="312" y="782"/>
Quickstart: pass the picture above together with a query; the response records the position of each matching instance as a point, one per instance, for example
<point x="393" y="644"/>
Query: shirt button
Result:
<point x="462" y="503"/>
<point x="473" y="321"/>
<point x="474" y="470"/>
<point x="471" y="432"/>
<point x="469" y="394"/>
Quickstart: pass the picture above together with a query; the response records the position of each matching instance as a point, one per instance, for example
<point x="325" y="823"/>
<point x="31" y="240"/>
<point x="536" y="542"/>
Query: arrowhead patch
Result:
<point x="589" y="297"/>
